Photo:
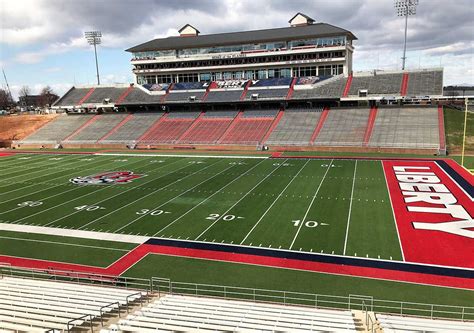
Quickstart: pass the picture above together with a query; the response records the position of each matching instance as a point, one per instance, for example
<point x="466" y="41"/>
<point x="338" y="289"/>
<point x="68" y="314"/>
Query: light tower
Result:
<point x="94" y="38"/>
<point x="405" y="8"/>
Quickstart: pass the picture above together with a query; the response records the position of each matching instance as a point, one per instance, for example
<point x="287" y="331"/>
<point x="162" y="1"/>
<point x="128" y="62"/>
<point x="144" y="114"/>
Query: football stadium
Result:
<point x="248" y="181"/>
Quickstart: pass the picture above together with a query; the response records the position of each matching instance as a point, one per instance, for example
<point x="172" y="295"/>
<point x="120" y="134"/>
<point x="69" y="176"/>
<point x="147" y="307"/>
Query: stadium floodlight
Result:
<point x="94" y="38"/>
<point x="405" y="8"/>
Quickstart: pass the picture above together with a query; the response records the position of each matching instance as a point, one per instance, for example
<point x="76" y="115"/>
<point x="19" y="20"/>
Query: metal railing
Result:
<point x="351" y="302"/>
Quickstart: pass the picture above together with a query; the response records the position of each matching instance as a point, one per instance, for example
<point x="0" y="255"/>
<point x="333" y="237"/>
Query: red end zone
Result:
<point x="432" y="212"/>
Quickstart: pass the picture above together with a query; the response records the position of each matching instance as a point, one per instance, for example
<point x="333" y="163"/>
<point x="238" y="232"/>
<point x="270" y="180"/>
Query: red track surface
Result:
<point x="5" y="154"/>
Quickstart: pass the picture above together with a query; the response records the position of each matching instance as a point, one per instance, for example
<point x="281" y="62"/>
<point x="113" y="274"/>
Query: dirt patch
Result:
<point x="18" y="127"/>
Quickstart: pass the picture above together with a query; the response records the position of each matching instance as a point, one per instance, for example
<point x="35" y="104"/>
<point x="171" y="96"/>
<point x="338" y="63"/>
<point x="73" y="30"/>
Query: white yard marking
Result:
<point x="154" y="209"/>
<point x="274" y="201"/>
<point x="311" y="204"/>
<point x="54" y="178"/>
<point x="350" y="208"/>
<point x="236" y="203"/>
<point x="115" y="195"/>
<point x="178" y="155"/>
<point x="393" y="212"/>
<point x="65" y="202"/>
<point x="74" y="233"/>
<point x="209" y="197"/>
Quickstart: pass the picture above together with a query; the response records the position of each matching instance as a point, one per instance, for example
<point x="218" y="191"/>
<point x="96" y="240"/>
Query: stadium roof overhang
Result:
<point x="244" y="37"/>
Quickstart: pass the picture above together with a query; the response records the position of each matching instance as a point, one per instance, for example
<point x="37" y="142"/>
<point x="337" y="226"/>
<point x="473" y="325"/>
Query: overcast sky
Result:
<point x="41" y="41"/>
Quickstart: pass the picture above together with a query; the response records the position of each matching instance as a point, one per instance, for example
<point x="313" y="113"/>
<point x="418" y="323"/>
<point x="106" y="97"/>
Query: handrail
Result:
<point x="108" y="306"/>
<point x="80" y="318"/>
<point x="131" y="295"/>
<point x="351" y="302"/>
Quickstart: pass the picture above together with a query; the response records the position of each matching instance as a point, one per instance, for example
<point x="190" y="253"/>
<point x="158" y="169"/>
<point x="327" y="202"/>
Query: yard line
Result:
<point x="147" y="195"/>
<point x="116" y="195"/>
<point x="12" y="166"/>
<point x="350" y="209"/>
<point x="393" y="212"/>
<point x="209" y="197"/>
<point x="274" y="201"/>
<point x="65" y="202"/>
<point x="311" y="204"/>
<point x="47" y="188"/>
<point x="7" y="180"/>
<point x="235" y="204"/>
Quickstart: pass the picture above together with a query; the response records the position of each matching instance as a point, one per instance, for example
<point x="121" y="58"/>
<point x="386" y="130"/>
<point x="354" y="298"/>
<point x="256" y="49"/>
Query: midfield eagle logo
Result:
<point x="107" y="178"/>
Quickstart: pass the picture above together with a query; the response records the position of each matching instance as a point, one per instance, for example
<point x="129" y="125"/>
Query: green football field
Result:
<point x="327" y="206"/>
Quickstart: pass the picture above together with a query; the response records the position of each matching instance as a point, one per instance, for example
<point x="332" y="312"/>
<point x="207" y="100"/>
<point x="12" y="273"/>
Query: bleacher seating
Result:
<point x="102" y="93"/>
<point x="392" y="323"/>
<point x="425" y="83"/>
<point x="72" y="97"/>
<point x="184" y="97"/>
<point x="167" y="130"/>
<point x="344" y="127"/>
<point x="58" y="129"/>
<point x="39" y="306"/>
<point x="184" y="114"/>
<point x="230" y="95"/>
<point x="330" y="88"/>
<point x="378" y="84"/>
<point x="267" y="93"/>
<point x="250" y="128"/>
<point x="220" y="113"/>
<point x="207" y="130"/>
<point x="102" y="125"/>
<point x="176" y="313"/>
<point x="134" y="128"/>
<point x="406" y="128"/>
<point x="295" y="127"/>
<point x="139" y="97"/>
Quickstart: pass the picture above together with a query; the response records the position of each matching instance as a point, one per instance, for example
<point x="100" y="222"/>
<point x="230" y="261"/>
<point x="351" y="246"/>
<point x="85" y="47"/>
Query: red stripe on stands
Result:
<point x="116" y="127"/>
<point x="320" y="125"/>
<point x="231" y="126"/>
<point x="163" y="98"/>
<point x="370" y="125"/>
<point x="152" y="128"/>
<point x="292" y="86"/>
<point x="86" y="96"/>
<point x="404" y="86"/>
<point x="87" y="123"/>
<point x="442" y="138"/>
<point x="124" y="95"/>
<point x="273" y="125"/>
<point x="246" y="89"/>
<point x="194" y="124"/>
<point x="348" y="86"/>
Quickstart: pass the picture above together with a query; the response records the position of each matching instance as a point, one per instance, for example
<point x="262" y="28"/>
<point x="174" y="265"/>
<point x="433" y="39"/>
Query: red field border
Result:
<point x="331" y="264"/>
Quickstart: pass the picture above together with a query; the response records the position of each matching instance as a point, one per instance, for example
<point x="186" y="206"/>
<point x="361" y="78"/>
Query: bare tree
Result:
<point x="5" y="99"/>
<point x="24" y="91"/>
<point x="47" y="96"/>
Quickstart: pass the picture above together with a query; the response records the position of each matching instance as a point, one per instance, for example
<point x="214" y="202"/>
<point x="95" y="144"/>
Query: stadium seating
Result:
<point x="344" y="127"/>
<point x="329" y="88"/>
<point x="249" y="128"/>
<point x="96" y="129"/>
<point x="135" y="127"/>
<point x="268" y="93"/>
<point x="188" y="313"/>
<point x="207" y="130"/>
<point x="425" y="83"/>
<point x="230" y="95"/>
<point x="100" y="94"/>
<point x="39" y="306"/>
<point x="378" y="84"/>
<point x="72" y="97"/>
<point x="295" y="127"/>
<point x="139" y="97"/>
<point x="58" y="129"/>
<point x="391" y="323"/>
<point x="169" y="128"/>
<point x="406" y="128"/>
<point x="184" y="97"/>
